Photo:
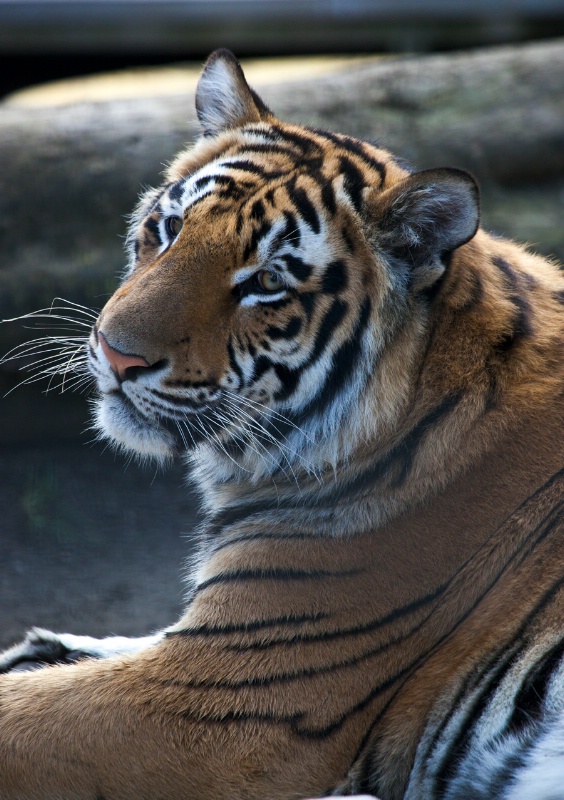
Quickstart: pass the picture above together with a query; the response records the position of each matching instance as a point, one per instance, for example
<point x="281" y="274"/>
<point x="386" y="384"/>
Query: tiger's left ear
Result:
<point x="224" y="100"/>
<point x="424" y="217"/>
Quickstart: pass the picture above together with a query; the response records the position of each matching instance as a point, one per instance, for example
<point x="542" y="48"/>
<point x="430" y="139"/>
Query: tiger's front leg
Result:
<point x="146" y="727"/>
<point x="41" y="647"/>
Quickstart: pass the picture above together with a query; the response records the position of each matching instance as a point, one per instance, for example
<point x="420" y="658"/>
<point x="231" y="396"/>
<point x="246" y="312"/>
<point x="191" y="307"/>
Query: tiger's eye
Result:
<point x="173" y="226"/>
<point x="269" y="281"/>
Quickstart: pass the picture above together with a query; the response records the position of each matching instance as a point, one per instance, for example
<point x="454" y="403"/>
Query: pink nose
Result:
<point x="118" y="361"/>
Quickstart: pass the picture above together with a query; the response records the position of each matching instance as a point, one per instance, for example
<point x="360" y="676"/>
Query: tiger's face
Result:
<point x="266" y="278"/>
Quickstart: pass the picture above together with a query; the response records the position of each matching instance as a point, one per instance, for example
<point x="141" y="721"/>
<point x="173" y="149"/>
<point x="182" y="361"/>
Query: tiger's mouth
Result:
<point x="180" y="428"/>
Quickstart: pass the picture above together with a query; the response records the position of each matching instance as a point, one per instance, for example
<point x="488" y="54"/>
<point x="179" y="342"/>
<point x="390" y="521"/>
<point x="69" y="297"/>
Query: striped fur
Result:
<point x="369" y="392"/>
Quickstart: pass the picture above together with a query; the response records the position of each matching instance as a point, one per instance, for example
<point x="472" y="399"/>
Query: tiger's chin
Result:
<point x="116" y="419"/>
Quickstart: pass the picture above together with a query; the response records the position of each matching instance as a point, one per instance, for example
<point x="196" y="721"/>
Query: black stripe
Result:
<point x="305" y="207"/>
<point x="247" y="627"/>
<point x="344" y="363"/>
<point x="202" y="182"/>
<point x="476" y="293"/>
<point x="292" y="329"/>
<point x="507" y="770"/>
<point x="335" y="278"/>
<point x="502" y="663"/>
<point x="309" y="147"/>
<point x="245" y="165"/>
<point x="297" y="724"/>
<point x="257" y="234"/>
<point x="291" y="233"/>
<point x="328" y="198"/>
<point x="275" y="574"/>
<point x="257" y="211"/>
<point x="530" y="699"/>
<point x="360" y="630"/>
<point x="176" y="190"/>
<point x="400" y="458"/>
<point x="331" y="321"/>
<point x="261" y="365"/>
<point x="300" y="673"/>
<point x="348" y="240"/>
<point x="353" y="182"/>
<point x="307" y="301"/>
<point x="234" y="365"/>
<point x="297" y="266"/>
<point x="151" y="225"/>
<point x="357" y="147"/>
<point x="458" y="748"/>
<point x="498" y="663"/>
<point x="522" y="324"/>
<point x="289" y="377"/>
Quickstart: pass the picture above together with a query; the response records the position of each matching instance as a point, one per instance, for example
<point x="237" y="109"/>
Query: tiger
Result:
<point x="367" y="388"/>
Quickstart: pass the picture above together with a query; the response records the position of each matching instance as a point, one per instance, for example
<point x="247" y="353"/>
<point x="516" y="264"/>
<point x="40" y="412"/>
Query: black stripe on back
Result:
<point x="241" y="576"/>
<point x="248" y="627"/>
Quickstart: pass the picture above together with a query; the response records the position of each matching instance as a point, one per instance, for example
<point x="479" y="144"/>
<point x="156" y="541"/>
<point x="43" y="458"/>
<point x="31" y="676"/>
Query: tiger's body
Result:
<point x="370" y="392"/>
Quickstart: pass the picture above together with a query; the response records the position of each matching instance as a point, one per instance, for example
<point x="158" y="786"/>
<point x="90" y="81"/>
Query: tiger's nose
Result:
<point x="120" y="362"/>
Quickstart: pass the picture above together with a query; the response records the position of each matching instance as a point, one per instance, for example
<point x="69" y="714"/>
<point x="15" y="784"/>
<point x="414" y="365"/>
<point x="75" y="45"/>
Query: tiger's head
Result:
<point x="271" y="278"/>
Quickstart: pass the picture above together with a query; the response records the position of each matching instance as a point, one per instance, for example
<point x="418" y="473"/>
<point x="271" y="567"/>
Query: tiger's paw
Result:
<point x="41" y="647"/>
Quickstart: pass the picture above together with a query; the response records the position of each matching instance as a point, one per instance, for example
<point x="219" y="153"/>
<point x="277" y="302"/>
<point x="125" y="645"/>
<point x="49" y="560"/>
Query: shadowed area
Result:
<point x="88" y="543"/>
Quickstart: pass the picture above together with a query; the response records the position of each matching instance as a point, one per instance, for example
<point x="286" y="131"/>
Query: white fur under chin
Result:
<point x="115" y="422"/>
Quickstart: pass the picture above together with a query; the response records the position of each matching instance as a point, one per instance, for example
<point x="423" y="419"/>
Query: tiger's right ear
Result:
<point x="224" y="99"/>
<point x="424" y="217"/>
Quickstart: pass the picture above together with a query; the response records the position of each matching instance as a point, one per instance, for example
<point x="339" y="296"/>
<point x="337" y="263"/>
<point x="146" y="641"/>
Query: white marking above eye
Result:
<point x="253" y="299"/>
<point x="243" y="275"/>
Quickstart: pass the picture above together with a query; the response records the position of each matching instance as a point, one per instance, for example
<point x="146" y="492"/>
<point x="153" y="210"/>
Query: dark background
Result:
<point x="88" y="541"/>
<point x="41" y="40"/>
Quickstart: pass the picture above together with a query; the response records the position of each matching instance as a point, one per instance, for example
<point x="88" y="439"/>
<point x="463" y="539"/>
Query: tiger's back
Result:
<point x="370" y="391"/>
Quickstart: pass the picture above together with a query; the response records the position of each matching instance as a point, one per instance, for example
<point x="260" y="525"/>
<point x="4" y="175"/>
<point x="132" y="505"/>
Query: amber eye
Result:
<point x="173" y="226"/>
<point x="268" y="281"/>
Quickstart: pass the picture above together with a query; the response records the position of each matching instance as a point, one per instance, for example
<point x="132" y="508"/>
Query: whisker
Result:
<point x="30" y="348"/>
<point x="270" y="411"/>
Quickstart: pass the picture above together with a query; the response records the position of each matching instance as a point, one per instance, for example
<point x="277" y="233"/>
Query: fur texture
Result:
<point x="368" y="389"/>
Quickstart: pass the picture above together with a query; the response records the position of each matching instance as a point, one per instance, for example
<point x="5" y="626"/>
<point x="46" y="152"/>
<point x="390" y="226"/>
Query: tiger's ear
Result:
<point x="426" y="216"/>
<point x="224" y="100"/>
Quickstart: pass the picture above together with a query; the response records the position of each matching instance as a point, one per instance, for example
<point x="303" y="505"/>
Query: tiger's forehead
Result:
<point x="263" y="184"/>
<point x="238" y="164"/>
